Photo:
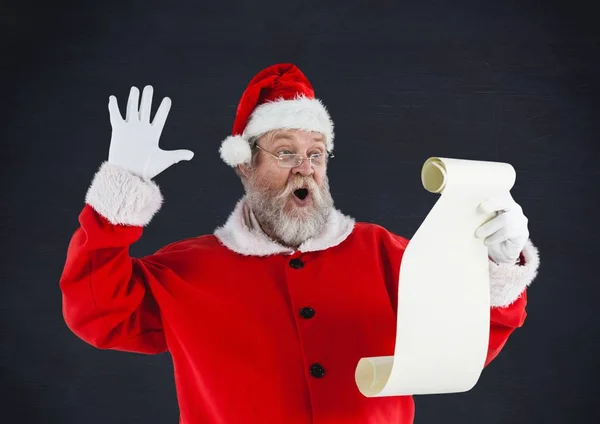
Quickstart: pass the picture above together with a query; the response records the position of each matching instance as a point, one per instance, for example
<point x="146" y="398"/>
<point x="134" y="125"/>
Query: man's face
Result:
<point x="291" y="204"/>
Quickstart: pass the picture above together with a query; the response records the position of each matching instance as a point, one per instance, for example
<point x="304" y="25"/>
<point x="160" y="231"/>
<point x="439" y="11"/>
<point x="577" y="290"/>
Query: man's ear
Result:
<point x="243" y="170"/>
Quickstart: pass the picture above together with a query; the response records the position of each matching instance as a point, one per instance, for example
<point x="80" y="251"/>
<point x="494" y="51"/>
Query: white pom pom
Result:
<point x="235" y="150"/>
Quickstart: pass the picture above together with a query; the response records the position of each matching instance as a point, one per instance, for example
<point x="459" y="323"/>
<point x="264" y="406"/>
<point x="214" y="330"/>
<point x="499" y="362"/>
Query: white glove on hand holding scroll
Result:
<point x="134" y="141"/>
<point x="505" y="234"/>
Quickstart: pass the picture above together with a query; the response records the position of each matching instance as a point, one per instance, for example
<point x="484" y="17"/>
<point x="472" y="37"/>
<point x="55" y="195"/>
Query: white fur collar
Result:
<point x="242" y="234"/>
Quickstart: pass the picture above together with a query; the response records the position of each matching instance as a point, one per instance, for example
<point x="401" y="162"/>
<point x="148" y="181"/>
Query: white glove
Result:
<point x="506" y="233"/>
<point x="134" y="141"/>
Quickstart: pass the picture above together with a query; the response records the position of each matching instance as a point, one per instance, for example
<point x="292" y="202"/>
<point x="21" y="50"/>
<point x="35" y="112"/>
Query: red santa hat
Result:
<point x="278" y="97"/>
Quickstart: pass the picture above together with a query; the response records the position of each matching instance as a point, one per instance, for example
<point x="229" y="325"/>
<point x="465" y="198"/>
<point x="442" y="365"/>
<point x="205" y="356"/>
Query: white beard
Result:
<point x="293" y="225"/>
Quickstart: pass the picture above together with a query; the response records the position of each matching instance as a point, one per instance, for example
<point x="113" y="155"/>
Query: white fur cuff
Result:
<point x="122" y="197"/>
<point x="507" y="281"/>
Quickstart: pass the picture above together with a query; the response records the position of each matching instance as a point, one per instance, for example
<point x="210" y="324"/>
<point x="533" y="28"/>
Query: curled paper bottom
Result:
<point x="372" y="374"/>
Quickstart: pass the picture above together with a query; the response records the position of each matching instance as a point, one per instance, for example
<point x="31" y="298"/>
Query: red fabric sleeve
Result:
<point x="106" y="301"/>
<point x="503" y="321"/>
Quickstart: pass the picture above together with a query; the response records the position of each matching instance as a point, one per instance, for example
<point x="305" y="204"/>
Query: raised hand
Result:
<point x="134" y="140"/>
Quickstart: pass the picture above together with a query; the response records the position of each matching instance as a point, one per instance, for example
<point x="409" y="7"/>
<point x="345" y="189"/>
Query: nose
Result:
<point x="305" y="169"/>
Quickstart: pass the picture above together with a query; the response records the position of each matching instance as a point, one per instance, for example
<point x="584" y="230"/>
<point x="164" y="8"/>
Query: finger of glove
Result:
<point x="113" y="111"/>
<point x="162" y="113"/>
<point x="491" y="226"/>
<point x="514" y="222"/>
<point x="498" y="237"/>
<point x="146" y="103"/>
<point x="495" y="204"/>
<point x="132" y="105"/>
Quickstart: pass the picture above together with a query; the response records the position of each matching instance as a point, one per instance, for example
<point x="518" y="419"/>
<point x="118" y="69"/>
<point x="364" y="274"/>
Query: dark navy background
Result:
<point x="510" y="81"/>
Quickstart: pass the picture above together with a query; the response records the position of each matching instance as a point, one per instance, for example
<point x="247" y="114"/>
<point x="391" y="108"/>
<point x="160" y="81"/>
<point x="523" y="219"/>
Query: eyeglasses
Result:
<point x="292" y="160"/>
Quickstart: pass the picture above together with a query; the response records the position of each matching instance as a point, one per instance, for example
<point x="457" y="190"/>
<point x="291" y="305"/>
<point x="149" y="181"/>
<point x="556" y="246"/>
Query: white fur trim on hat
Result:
<point x="235" y="150"/>
<point x="302" y="113"/>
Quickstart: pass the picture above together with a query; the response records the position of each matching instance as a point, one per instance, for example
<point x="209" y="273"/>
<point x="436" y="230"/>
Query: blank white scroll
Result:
<point x="443" y="318"/>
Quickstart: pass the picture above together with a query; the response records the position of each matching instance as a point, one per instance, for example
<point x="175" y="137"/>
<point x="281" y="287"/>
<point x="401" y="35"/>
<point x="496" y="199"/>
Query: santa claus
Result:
<point x="266" y="318"/>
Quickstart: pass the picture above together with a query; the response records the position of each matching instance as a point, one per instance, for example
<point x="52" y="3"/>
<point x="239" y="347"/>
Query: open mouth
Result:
<point x="301" y="193"/>
<point x="302" y="197"/>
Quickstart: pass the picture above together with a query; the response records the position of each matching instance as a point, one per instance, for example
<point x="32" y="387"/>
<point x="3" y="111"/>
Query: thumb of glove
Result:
<point x="165" y="159"/>
<point x="181" y="154"/>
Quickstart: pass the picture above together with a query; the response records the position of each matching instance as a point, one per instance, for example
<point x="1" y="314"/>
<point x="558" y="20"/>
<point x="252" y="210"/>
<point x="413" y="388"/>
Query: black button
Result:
<point x="307" y="313"/>
<point x="297" y="263"/>
<point x="316" y="370"/>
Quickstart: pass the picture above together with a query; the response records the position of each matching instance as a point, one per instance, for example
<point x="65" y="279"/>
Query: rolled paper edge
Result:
<point x="433" y="164"/>
<point x="373" y="374"/>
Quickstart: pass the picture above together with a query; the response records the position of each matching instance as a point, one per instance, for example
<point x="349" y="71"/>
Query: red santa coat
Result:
<point x="257" y="333"/>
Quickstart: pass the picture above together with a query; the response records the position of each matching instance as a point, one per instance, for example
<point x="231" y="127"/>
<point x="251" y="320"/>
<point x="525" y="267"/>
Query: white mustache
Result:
<point x="299" y="182"/>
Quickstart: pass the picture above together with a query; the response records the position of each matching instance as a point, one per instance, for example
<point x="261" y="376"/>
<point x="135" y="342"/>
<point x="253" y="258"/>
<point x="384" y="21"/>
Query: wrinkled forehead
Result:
<point x="294" y="137"/>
